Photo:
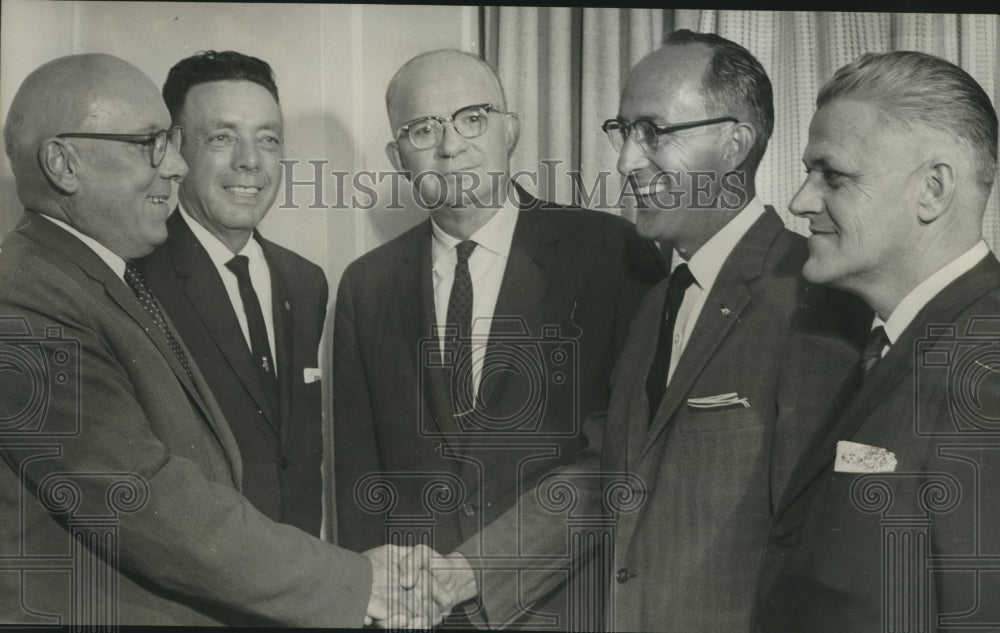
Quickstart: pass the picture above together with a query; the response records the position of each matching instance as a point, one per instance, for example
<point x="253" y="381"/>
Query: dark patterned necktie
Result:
<point x="260" y="347"/>
<point x="142" y="292"/>
<point x="656" y="381"/>
<point x="876" y="342"/>
<point x="460" y="318"/>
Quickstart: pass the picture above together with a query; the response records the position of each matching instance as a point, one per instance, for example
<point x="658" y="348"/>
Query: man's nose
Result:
<point x="452" y="143"/>
<point x="173" y="166"/>
<point x="246" y="155"/>
<point x="631" y="157"/>
<point x="807" y="199"/>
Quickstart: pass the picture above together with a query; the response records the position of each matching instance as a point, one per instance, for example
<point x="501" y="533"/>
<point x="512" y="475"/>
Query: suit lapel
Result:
<point x="887" y="373"/>
<point x="518" y="310"/>
<point x="283" y="313"/>
<point x="206" y="292"/>
<point x="66" y="245"/>
<point x="725" y="303"/>
<point x="415" y="294"/>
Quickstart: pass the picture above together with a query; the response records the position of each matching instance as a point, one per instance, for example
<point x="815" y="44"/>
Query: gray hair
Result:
<point x="911" y="88"/>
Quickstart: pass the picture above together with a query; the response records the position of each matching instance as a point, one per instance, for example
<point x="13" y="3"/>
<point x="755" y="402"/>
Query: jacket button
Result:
<point x="283" y="462"/>
<point x="622" y="575"/>
<point x="468" y="510"/>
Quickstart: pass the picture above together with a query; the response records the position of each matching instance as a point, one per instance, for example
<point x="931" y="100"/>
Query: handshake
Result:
<point x="415" y="587"/>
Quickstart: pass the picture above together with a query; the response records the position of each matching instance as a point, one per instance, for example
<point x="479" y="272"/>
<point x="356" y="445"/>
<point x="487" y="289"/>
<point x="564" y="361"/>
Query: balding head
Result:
<point x="454" y="66"/>
<point x="106" y="189"/>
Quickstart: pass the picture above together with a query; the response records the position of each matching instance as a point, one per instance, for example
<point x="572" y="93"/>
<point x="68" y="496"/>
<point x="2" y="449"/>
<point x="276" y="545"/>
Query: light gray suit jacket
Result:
<point x="110" y="448"/>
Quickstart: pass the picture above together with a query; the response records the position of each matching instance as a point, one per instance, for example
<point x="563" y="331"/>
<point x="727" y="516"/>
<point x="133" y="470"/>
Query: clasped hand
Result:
<point x="415" y="587"/>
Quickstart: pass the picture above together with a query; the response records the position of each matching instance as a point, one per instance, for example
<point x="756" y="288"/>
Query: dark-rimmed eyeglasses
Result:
<point x="647" y="134"/>
<point x="157" y="141"/>
<point x="427" y="131"/>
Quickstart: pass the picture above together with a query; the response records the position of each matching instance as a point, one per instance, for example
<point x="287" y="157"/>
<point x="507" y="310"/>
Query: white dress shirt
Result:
<point x="260" y="277"/>
<point x="926" y="290"/>
<point x="486" y="268"/>
<point x="116" y="263"/>
<point x="705" y="265"/>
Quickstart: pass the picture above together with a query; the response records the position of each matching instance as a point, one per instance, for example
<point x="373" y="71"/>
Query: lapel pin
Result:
<point x="725" y="311"/>
<point x="288" y="306"/>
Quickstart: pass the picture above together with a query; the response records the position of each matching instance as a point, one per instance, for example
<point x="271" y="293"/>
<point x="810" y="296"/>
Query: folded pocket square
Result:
<point x="311" y="374"/>
<point x="861" y="458"/>
<point x="719" y="401"/>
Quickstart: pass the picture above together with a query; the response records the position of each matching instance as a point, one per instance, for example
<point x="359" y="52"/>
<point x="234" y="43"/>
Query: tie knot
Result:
<point x="876" y="342"/>
<point x="240" y="265"/>
<point x="134" y="278"/>
<point x="464" y="250"/>
<point x="681" y="278"/>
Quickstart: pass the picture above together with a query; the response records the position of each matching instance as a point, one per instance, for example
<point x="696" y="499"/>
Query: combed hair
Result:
<point x="734" y="81"/>
<point x="910" y="88"/>
<point x="208" y="66"/>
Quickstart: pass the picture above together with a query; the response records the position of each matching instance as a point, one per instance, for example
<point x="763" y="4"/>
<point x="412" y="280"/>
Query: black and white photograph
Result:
<point x="561" y="318"/>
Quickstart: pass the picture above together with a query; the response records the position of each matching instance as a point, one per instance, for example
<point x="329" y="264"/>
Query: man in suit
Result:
<point x="120" y="482"/>
<point x="250" y="311"/>
<point x="728" y="365"/>
<point x="888" y="521"/>
<point x="468" y="349"/>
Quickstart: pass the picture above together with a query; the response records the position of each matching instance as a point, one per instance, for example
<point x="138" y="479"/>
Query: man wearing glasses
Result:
<point x="251" y="311"/>
<point x="728" y="366"/>
<point x="120" y="478"/>
<point x="468" y="350"/>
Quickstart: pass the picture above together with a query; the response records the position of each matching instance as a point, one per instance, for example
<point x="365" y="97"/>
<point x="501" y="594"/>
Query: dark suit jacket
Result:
<point x="898" y="551"/>
<point x="572" y="282"/>
<point x="282" y="449"/>
<point x="105" y="435"/>
<point x="692" y="489"/>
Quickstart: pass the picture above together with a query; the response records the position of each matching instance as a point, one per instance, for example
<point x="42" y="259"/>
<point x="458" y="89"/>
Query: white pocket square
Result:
<point x="718" y="401"/>
<point x="861" y="458"/>
<point x="311" y="374"/>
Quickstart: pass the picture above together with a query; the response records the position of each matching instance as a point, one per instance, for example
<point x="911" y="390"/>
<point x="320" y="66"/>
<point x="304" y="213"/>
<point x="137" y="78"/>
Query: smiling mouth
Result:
<point x="243" y="192"/>
<point x="158" y="199"/>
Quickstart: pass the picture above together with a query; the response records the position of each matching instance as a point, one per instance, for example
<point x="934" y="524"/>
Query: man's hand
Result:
<point x="403" y="593"/>
<point x="450" y="578"/>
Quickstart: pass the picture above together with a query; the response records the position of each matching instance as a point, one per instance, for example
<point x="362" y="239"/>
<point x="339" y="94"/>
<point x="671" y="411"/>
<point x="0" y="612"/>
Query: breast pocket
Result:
<point x="715" y="420"/>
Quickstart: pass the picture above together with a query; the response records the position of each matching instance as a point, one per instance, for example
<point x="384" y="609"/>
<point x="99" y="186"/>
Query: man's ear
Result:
<point x="512" y="131"/>
<point x="937" y="190"/>
<point x="59" y="163"/>
<point x="738" y="144"/>
<point x="392" y="152"/>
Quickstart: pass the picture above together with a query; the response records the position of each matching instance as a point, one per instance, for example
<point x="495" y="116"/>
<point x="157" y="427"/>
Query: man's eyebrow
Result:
<point x="231" y="125"/>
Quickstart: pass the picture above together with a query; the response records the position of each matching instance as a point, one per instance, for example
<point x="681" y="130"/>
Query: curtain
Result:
<point x="563" y="69"/>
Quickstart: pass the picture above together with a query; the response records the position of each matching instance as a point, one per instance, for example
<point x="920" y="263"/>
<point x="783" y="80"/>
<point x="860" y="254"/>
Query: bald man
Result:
<point x="531" y="301"/>
<point x="120" y="482"/>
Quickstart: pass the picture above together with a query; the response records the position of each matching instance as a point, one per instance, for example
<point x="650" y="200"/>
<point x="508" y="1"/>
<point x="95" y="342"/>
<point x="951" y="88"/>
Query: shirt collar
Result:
<point x="116" y="263"/>
<point x="929" y="288"/>
<point x="217" y="251"/>
<point x="495" y="236"/>
<point x="706" y="263"/>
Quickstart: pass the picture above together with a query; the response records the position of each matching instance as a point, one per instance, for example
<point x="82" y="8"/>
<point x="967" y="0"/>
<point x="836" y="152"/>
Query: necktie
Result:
<point x="137" y="283"/>
<point x="460" y="317"/>
<point x="260" y="348"/>
<point x="876" y="342"/>
<point x="656" y="381"/>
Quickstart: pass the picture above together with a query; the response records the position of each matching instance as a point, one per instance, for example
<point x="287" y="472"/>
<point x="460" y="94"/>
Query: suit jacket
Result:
<point x="899" y="551"/>
<point x="690" y="490"/>
<point x="120" y="482"/>
<point x="571" y="285"/>
<point x="282" y="447"/>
